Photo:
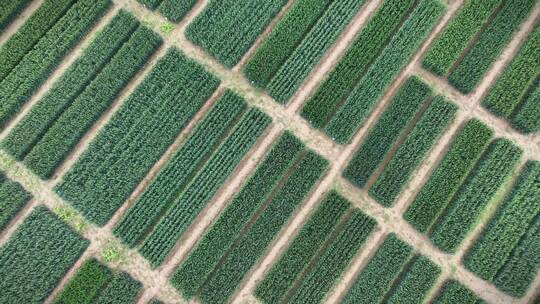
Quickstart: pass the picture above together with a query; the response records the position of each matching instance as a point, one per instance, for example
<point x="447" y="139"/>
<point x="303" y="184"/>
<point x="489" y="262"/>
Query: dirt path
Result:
<point x="16" y="24"/>
<point x="65" y="63"/>
<point x="333" y="55"/>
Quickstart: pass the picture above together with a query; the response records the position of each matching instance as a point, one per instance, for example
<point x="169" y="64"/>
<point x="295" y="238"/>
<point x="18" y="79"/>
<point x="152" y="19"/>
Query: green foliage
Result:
<point x="415" y="282"/>
<point x="385" y="68"/>
<point x="122" y="289"/>
<point x="45" y="55"/>
<point x="241" y="258"/>
<point x="511" y="88"/>
<point x="453" y="292"/>
<point x="22" y="41"/>
<point x="380" y="139"/>
<point x="377" y="277"/>
<point x="136" y="136"/>
<point x="334" y="260"/>
<point x="527" y="117"/>
<point x="455" y="38"/>
<point x="64" y="134"/>
<point x="302" y="249"/>
<point x="376" y="34"/>
<point x="315" y="44"/>
<point x="10" y="9"/>
<point x="411" y="152"/>
<point x="202" y="260"/>
<point x="522" y="266"/>
<point x="496" y="165"/>
<point x="43" y="115"/>
<point x="13" y="197"/>
<point x="504" y="231"/>
<point x="442" y="185"/>
<point x="204" y="186"/>
<point x="85" y="286"/>
<point x="176" y="10"/>
<point x="227" y="28"/>
<point x="490" y="44"/>
<point x="151" y="4"/>
<point x="282" y="40"/>
<point x="180" y="169"/>
<point x="31" y="263"/>
<point x="166" y="28"/>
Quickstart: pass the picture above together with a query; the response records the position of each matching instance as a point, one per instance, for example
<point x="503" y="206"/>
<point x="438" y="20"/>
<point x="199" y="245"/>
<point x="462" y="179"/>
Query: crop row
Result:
<point x="303" y="248"/>
<point x="504" y="231"/>
<point x="13" y="197"/>
<point x="86" y="284"/>
<point x="511" y="88"/>
<point x="489" y="45"/>
<point x="173" y="10"/>
<point x="194" y="270"/>
<point x="70" y="126"/>
<point x="44" y="113"/>
<point x="251" y="246"/>
<point x="527" y="117"/>
<point x="327" y="99"/>
<point x="36" y="65"/>
<point x="442" y="185"/>
<point x="380" y="74"/>
<point x="411" y="152"/>
<point x="22" y="41"/>
<point x="136" y="136"/>
<point x="10" y="9"/>
<point x="380" y="139"/>
<point x="453" y="292"/>
<point x="227" y="28"/>
<point x="315" y="44"/>
<point x="481" y="186"/>
<point x="122" y="289"/>
<point x="180" y="169"/>
<point x="335" y="259"/>
<point x="459" y="33"/>
<point x="521" y="268"/>
<point x="282" y="40"/>
<point x="37" y="256"/>
<point x="204" y="186"/>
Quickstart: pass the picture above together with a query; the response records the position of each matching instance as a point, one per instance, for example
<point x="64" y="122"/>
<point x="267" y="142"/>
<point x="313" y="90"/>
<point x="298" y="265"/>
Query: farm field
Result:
<point x="270" y="151"/>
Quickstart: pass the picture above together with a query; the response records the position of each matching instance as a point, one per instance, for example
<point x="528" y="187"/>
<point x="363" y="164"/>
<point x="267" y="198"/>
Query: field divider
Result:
<point x="89" y="136"/>
<point x="59" y="70"/>
<point x="212" y="210"/>
<point x="133" y="263"/>
<point x="333" y="55"/>
<point x="240" y="65"/>
<point x="20" y="20"/>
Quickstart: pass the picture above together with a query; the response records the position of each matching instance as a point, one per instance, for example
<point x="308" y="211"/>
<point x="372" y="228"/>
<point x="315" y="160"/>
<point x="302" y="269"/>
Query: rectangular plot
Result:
<point x="411" y="152"/>
<point x="476" y="192"/>
<point x="454" y="292"/>
<point x="504" y="231"/>
<point x="335" y="259"/>
<point x="122" y="289"/>
<point x="320" y="38"/>
<point x="77" y="118"/>
<point x="465" y="150"/>
<point x="385" y="133"/>
<point x="226" y="28"/>
<point x="302" y="249"/>
<point x="204" y="186"/>
<point x="13" y="197"/>
<point x="176" y="10"/>
<point x="378" y="77"/>
<point x="136" y="136"/>
<point x="31" y="264"/>
<point x="376" y="278"/>
<point x="37" y="65"/>
<point x="180" y="169"/>
<point x="375" y="35"/>
<point x="10" y="9"/>
<point x="252" y="245"/>
<point x="527" y="116"/>
<point x="227" y="228"/>
<point x="46" y="111"/>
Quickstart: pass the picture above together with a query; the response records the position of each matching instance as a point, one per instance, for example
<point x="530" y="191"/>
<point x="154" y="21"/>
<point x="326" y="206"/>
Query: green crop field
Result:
<point x="269" y="151"/>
